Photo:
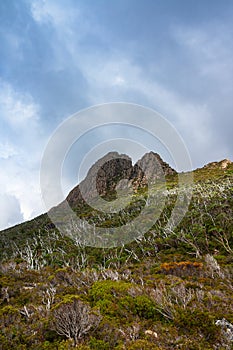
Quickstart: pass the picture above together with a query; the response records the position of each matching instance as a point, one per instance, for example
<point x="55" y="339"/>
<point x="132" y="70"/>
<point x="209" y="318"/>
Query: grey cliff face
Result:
<point x="104" y="176"/>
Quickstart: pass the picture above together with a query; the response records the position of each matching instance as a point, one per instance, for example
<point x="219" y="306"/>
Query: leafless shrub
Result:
<point x="164" y="301"/>
<point x="213" y="268"/>
<point x="27" y="311"/>
<point x="75" y="319"/>
<point x="113" y="275"/>
<point x="48" y="297"/>
<point x="167" y="299"/>
<point x="131" y="333"/>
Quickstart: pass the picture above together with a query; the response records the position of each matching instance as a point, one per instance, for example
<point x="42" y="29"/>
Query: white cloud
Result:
<point x="20" y="149"/>
<point x="20" y="179"/>
<point x="192" y="119"/>
<point x="118" y="80"/>
<point x="57" y="13"/>
<point x="210" y="48"/>
<point x="10" y="211"/>
<point x="7" y="150"/>
<point x="16" y="108"/>
<point x="46" y="11"/>
<point x="114" y="76"/>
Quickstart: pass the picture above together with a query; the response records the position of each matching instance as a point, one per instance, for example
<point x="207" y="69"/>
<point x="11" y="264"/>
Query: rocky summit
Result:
<point x="116" y="170"/>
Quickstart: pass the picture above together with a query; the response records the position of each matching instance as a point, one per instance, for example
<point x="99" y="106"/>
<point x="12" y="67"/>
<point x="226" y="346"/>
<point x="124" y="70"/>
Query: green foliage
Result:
<point x="174" y="283"/>
<point x="97" y="344"/>
<point x="108" y="289"/>
<point x="143" y="345"/>
<point x="144" y="307"/>
<point x="197" y="322"/>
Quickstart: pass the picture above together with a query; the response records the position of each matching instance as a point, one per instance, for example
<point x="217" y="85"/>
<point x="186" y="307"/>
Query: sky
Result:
<point x="61" y="56"/>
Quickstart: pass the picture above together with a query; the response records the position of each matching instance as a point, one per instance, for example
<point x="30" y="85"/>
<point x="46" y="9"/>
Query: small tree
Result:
<point x="75" y="319"/>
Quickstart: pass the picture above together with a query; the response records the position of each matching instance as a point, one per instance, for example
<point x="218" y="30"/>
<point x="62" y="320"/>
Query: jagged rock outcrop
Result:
<point x="149" y="169"/>
<point x="104" y="176"/>
<point x="222" y="164"/>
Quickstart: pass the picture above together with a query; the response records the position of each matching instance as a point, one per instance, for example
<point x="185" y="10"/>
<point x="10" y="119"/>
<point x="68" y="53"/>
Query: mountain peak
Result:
<point x="104" y="176"/>
<point x="150" y="168"/>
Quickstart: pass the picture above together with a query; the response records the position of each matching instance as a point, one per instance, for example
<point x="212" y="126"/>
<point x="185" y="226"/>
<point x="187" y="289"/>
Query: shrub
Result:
<point x="142" y="345"/>
<point x="74" y="320"/>
<point x="144" y="307"/>
<point x="96" y="344"/>
<point x="197" y="322"/>
<point x="108" y="290"/>
<point x="183" y="268"/>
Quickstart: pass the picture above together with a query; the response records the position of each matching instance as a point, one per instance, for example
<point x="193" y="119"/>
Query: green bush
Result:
<point x="144" y="307"/>
<point x="96" y="344"/>
<point x="108" y="289"/>
<point x="142" y="345"/>
<point x="198" y="322"/>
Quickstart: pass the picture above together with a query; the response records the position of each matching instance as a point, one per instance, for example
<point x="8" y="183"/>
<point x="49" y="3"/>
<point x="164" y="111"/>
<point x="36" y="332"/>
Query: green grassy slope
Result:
<point x="164" y="290"/>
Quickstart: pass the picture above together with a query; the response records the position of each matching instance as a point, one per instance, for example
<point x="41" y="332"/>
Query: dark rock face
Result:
<point x="104" y="176"/>
<point x="113" y="171"/>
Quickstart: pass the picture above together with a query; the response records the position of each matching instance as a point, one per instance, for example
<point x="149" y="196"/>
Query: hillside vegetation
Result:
<point x="165" y="290"/>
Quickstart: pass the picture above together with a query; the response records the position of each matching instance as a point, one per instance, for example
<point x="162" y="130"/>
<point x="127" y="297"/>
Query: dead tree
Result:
<point x="75" y="319"/>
